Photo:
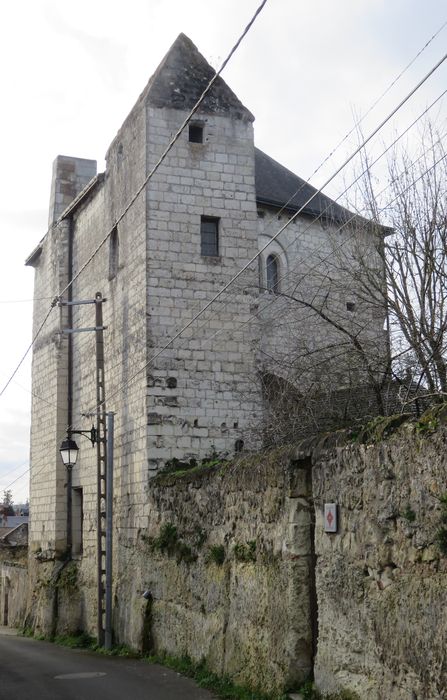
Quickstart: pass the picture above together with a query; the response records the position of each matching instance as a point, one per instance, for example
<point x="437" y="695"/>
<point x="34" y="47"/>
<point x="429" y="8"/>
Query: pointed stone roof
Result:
<point x="181" y="78"/>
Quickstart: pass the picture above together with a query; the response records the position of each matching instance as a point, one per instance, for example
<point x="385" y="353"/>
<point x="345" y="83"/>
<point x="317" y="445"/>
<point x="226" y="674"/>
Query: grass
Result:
<point x="222" y="686"/>
<point x="309" y="692"/>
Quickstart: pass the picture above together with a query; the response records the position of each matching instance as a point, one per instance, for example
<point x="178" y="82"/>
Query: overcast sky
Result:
<point x="71" y="71"/>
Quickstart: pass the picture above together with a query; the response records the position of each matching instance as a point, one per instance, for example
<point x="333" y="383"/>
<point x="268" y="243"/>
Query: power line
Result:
<point x="173" y="141"/>
<point x="285" y="206"/>
<point x="23" y="358"/>
<point x="299" y="211"/>
<point x="140" y="189"/>
<point x="24" y="301"/>
<point x="11" y="471"/>
<point x="378" y="99"/>
<point x="18" y="479"/>
<point x="282" y="228"/>
<point x="358" y="123"/>
<point x="352" y="218"/>
<point x="275" y="298"/>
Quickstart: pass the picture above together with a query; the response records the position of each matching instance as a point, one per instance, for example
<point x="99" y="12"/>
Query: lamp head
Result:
<point x="69" y="452"/>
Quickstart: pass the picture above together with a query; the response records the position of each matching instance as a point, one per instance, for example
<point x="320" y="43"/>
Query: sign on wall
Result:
<point x="330" y="517"/>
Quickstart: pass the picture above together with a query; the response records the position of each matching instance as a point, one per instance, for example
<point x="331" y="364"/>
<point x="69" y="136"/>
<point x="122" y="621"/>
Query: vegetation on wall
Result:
<point x="169" y="542"/>
<point x="245" y="552"/>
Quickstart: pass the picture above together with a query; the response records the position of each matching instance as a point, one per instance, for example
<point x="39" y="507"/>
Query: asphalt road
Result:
<point x="33" y="670"/>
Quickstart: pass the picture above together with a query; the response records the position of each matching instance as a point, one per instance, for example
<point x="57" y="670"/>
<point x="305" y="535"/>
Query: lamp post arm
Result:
<point x="90" y="434"/>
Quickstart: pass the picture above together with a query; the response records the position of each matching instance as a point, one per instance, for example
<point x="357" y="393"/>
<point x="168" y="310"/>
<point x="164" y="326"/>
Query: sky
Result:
<point x="71" y="72"/>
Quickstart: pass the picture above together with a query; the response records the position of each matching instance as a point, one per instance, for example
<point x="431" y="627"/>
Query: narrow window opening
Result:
<point x="235" y="424"/>
<point x="77" y="521"/>
<point x="272" y="269"/>
<point x="196" y="422"/>
<point x="209" y="236"/>
<point x="350" y="306"/>
<point x="238" y="445"/>
<point x="196" y="133"/>
<point x="113" y="253"/>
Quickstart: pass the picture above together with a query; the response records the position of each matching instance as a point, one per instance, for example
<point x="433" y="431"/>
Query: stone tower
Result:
<point x="190" y="228"/>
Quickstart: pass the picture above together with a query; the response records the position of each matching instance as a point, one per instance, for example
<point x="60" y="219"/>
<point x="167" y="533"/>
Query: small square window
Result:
<point x="196" y="133"/>
<point x="350" y="306"/>
<point x="209" y="236"/>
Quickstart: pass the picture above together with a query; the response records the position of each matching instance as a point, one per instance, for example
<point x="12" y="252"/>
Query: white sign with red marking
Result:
<point x="330" y="517"/>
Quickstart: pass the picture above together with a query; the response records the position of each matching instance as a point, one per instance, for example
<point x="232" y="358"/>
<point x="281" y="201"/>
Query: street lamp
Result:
<point x="69" y="452"/>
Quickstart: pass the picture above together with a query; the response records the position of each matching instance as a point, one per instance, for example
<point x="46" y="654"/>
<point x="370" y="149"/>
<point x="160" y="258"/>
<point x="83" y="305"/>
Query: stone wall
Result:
<point x="381" y="580"/>
<point x="232" y="563"/>
<point x="232" y="583"/>
<point x="13" y="585"/>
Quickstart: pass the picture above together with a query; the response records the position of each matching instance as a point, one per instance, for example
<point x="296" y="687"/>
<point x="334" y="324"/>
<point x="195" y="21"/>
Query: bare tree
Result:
<point x="414" y="259"/>
<point x="373" y="303"/>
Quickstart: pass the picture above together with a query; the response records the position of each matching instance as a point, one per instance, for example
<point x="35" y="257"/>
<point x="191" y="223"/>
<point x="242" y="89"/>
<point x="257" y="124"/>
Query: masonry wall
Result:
<point x="118" y="272"/>
<point x="49" y="402"/>
<point x="381" y="579"/>
<point x="318" y="266"/>
<point x="49" y="416"/>
<point x="13" y="585"/>
<point x="232" y="584"/>
<point x="203" y="391"/>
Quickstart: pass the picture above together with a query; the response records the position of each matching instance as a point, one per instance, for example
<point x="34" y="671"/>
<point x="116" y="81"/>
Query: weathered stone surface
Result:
<point x="248" y="616"/>
<point x="381" y="580"/>
<point x="13" y="585"/>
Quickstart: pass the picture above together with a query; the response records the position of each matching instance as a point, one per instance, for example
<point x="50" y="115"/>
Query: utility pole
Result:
<point x="101" y="451"/>
<point x="109" y="529"/>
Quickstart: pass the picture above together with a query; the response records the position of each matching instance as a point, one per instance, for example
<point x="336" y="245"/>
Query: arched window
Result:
<point x="272" y="269"/>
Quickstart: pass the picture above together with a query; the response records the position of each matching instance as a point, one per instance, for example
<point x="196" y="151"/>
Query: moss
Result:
<point x="168" y="542"/>
<point x="216" y="554"/>
<point x="427" y="424"/>
<point x="68" y="579"/>
<point x="379" y="428"/>
<point x="245" y="552"/>
<point x="178" y="468"/>
<point x="184" y="553"/>
<point x="409" y="514"/>
<point x="441" y="540"/>
<point x="199" y="536"/>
